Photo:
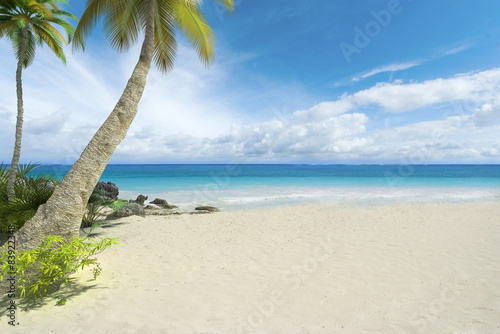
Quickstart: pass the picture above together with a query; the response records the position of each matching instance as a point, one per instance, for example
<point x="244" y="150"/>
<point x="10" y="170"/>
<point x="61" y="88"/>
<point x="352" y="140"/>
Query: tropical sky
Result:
<point x="293" y="81"/>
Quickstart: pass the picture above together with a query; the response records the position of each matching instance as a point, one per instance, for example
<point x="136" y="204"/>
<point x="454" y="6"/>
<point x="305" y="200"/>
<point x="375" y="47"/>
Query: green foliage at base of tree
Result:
<point x="95" y="208"/>
<point x="31" y="191"/>
<point x="49" y="265"/>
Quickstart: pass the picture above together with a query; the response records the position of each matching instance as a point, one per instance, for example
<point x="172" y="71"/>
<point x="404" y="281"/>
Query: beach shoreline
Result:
<point x="261" y="197"/>
<point x="314" y="268"/>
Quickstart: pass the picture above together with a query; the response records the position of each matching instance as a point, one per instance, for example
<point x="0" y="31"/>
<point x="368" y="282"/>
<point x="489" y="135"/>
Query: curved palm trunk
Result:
<point x="62" y="214"/>
<point x="20" y="113"/>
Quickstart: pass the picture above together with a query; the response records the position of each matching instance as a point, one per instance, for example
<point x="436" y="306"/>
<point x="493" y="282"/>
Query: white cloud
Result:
<point x="456" y="50"/>
<point x="51" y="123"/>
<point x="335" y="131"/>
<point x="388" y="68"/>
<point x="5" y="114"/>
<point x="327" y="109"/>
<point x="488" y="114"/>
<point x="394" y="67"/>
<point x="398" y="97"/>
<point x="267" y="140"/>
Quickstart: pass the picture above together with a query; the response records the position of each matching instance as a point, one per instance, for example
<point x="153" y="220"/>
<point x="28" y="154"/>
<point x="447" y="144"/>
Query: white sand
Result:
<point x="426" y="268"/>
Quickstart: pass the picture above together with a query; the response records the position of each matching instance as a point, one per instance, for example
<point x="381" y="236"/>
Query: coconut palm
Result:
<point x="28" y="23"/>
<point x="123" y="22"/>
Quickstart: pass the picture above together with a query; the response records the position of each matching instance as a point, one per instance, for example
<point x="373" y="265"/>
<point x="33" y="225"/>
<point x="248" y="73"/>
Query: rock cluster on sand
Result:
<point x="158" y="206"/>
<point x="207" y="208"/>
<point x="139" y="200"/>
<point x="126" y="211"/>
<point x="162" y="203"/>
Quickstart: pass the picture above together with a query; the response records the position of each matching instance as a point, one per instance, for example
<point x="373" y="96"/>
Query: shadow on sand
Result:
<point x="67" y="291"/>
<point x="74" y="287"/>
<point x="98" y="232"/>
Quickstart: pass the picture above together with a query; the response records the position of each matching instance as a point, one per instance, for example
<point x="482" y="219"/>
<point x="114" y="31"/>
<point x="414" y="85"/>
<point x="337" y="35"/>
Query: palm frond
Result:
<point x="29" y="56"/>
<point x="4" y="173"/>
<point x="165" y="45"/>
<point x="40" y="9"/>
<point x="123" y="22"/>
<point x="53" y="31"/>
<point x="16" y="37"/>
<point x="70" y="30"/>
<point x="193" y="24"/>
<point x="27" y="168"/>
<point x="32" y="191"/>
<point x="48" y="37"/>
<point x="6" y="26"/>
<point x="227" y="4"/>
<point x="93" y="10"/>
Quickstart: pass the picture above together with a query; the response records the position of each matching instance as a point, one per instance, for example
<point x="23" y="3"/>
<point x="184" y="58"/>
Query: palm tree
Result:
<point x="124" y="19"/>
<point x="28" y="23"/>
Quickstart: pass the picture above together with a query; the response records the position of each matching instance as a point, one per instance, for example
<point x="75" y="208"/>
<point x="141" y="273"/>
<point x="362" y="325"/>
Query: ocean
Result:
<point x="235" y="187"/>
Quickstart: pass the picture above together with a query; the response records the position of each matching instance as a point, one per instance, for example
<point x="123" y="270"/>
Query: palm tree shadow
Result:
<point x="84" y="232"/>
<point x="67" y="291"/>
<point x="110" y="225"/>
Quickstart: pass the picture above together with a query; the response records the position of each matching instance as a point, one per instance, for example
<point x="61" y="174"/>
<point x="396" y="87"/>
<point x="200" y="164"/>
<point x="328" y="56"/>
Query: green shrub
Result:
<point x="95" y="207"/>
<point x="49" y="265"/>
<point x="31" y="190"/>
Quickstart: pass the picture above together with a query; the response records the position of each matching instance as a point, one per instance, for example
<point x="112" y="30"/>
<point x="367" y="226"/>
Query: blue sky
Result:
<point x="313" y="81"/>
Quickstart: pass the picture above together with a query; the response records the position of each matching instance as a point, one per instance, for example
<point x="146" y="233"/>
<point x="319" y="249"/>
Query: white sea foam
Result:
<point x="237" y="199"/>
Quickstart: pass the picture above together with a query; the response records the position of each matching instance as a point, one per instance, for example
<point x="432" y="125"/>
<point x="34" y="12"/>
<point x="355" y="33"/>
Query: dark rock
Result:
<point x="151" y="207"/>
<point x="163" y="203"/>
<point x="140" y="199"/>
<point x="126" y="211"/>
<point x="107" y="191"/>
<point x="159" y="201"/>
<point x="207" y="208"/>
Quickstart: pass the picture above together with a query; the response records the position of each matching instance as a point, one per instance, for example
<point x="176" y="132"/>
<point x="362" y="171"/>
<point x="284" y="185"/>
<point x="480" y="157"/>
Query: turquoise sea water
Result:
<point x="244" y="186"/>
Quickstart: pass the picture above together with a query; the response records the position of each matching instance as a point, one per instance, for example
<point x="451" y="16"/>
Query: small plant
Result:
<point x="50" y="264"/>
<point x="95" y="207"/>
<point x="61" y="302"/>
<point x="118" y="204"/>
<point x="93" y="213"/>
<point x="94" y="226"/>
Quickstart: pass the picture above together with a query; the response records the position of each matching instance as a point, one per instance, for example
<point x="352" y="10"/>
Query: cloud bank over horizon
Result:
<point x="460" y="116"/>
<point x="336" y="131"/>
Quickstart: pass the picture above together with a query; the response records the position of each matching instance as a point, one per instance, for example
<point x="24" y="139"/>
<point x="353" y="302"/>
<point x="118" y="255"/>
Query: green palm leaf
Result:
<point x="124" y="20"/>
<point x="40" y="16"/>
<point x="193" y="24"/>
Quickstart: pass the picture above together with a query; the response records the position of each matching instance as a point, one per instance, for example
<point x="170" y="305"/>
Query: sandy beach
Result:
<point x="405" y="268"/>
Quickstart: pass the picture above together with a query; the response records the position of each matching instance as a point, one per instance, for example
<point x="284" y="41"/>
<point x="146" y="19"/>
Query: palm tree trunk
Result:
<point x="20" y="113"/>
<point x="62" y="214"/>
